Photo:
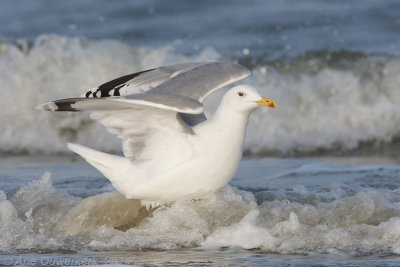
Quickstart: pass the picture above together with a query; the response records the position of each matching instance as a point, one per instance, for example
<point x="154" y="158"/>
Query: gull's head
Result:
<point x="246" y="98"/>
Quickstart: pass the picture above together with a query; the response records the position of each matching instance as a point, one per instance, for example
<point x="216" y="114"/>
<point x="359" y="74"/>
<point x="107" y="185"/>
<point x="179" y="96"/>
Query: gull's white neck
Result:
<point x="225" y="130"/>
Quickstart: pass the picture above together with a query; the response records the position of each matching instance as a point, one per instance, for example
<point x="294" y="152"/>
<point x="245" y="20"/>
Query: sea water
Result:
<point x="321" y="211"/>
<point x="320" y="181"/>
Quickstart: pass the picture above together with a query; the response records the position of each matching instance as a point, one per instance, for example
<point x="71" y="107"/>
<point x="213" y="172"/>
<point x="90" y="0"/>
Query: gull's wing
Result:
<point x="193" y="80"/>
<point x="148" y="134"/>
<point x="201" y="80"/>
<point x="140" y="81"/>
<point x="148" y="124"/>
<point x="175" y="103"/>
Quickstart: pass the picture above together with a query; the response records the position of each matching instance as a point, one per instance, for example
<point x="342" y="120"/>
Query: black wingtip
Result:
<point x="65" y="106"/>
<point x="59" y="105"/>
<point x="114" y="86"/>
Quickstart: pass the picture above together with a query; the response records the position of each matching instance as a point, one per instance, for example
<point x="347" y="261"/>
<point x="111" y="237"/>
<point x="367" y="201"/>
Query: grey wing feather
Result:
<point x="201" y="80"/>
<point x="139" y="82"/>
<point x="193" y="80"/>
<point x="192" y="119"/>
<point x="167" y="102"/>
<point x="177" y="87"/>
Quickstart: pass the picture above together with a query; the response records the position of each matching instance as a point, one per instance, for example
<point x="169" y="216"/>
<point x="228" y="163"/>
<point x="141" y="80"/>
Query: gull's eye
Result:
<point x="241" y="94"/>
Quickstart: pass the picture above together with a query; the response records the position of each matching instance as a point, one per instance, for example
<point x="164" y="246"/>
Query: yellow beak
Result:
<point x="267" y="102"/>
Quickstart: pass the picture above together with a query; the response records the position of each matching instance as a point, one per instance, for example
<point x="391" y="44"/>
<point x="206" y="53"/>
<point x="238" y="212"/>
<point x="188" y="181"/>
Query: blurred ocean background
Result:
<point x="320" y="181"/>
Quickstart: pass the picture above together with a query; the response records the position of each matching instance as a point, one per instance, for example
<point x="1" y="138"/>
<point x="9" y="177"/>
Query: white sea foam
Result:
<point x="39" y="217"/>
<point x="334" y="108"/>
<point x="245" y="234"/>
<point x="331" y="108"/>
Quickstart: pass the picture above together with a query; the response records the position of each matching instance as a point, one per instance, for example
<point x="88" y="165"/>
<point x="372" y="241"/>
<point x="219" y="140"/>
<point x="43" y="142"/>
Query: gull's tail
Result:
<point x="113" y="167"/>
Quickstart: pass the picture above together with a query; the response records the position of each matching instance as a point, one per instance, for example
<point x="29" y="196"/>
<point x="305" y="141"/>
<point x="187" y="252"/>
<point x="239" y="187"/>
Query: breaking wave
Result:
<point x="326" y="219"/>
<point x="337" y="101"/>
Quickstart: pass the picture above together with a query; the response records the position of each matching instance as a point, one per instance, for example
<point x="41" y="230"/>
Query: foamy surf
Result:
<point x="332" y="106"/>
<point x="357" y="218"/>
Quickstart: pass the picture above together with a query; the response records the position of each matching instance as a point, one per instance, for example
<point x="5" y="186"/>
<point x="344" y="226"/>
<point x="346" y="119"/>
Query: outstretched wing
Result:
<point x="148" y="134"/>
<point x="148" y="124"/>
<point x="175" y="103"/>
<point x="140" y="81"/>
<point x="200" y="81"/>
<point x="192" y="80"/>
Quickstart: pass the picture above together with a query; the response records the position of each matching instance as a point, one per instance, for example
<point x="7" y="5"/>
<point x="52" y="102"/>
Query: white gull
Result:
<point x="170" y="148"/>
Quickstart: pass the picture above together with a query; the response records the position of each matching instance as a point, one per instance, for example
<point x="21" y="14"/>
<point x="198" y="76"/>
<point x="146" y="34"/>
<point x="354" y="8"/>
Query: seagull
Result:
<point x="170" y="148"/>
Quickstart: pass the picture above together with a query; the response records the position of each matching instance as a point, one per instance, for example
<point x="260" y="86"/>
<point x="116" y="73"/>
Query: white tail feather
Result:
<point x="111" y="166"/>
